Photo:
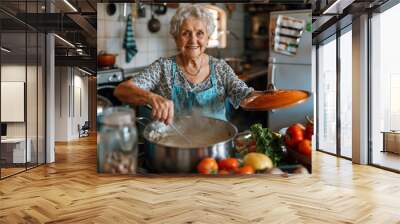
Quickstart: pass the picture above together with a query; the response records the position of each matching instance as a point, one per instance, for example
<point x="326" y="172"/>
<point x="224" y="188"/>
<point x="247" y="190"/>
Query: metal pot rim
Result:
<point x="234" y="128"/>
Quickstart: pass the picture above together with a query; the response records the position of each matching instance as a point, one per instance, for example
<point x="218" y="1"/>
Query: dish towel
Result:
<point x="129" y="41"/>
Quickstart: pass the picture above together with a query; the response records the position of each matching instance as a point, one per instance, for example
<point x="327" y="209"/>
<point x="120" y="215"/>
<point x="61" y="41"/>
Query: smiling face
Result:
<point x="192" y="39"/>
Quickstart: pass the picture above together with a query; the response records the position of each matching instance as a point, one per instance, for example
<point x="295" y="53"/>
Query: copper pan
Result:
<point x="274" y="98"/>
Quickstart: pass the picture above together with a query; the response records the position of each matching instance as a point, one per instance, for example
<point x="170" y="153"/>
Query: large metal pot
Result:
<point x="168" y="157"/>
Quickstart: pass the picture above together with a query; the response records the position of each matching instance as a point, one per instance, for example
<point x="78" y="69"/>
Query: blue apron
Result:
<point x="206" y="102"/>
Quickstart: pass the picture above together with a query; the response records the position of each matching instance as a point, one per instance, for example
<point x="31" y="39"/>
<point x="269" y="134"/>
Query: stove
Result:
<point x="107" y="81"/>
<point x="110" y="76"/>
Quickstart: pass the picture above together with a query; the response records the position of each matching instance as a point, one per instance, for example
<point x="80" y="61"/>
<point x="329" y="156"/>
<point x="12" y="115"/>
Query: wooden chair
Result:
<point x="84" y="130"/>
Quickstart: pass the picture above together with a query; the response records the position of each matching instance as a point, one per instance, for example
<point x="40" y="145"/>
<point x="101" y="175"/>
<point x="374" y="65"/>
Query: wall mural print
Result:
<point x="182" y="104"/>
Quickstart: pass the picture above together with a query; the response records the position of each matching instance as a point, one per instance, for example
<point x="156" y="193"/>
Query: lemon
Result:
<point x="258" y="161"/>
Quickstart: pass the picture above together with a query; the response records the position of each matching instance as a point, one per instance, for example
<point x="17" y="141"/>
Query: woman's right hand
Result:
<point x="162" y="108"/>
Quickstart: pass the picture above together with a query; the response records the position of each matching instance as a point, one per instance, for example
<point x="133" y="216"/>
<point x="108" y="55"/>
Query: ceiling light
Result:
<point x="79" y="51"/>
<point x="86" y="72"/>
<point x="78" y="44"/>
<point x="331" y="7"/>
<point x="65" y="41"/>
<point x="338" y="6"/>
<point x="5" y="49"/>
<point x="70" y="5"/>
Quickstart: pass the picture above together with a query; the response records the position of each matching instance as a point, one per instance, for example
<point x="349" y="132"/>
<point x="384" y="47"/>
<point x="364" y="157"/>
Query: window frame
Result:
<point x="341" y="24"/>
<point x="333" y="37"/>
<point x="44" y="41"/>
<point x="381" y="9"/>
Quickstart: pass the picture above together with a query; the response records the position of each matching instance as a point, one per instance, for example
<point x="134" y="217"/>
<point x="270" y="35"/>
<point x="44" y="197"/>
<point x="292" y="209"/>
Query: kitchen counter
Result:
<point x="131" y="72"/>
<point x="247" y="75"/>
<point x="253" y="73"/>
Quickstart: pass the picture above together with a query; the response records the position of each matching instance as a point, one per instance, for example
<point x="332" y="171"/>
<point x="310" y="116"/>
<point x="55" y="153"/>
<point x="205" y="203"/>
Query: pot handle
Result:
<point x="143" y="121"/>
<point x="271" y="74"/>
<point x="243" y="134"/>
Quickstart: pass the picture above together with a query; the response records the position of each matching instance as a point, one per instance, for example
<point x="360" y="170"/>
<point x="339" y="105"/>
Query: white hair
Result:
<point x="195" y="11"/>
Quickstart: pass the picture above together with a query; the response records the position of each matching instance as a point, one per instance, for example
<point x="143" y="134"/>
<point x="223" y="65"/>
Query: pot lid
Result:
<point x="119" y="116"/>
<point x="275" y="99"/>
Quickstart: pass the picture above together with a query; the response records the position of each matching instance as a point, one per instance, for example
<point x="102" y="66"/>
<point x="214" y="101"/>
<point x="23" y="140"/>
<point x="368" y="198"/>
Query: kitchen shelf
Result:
<point x="255" y="36"/>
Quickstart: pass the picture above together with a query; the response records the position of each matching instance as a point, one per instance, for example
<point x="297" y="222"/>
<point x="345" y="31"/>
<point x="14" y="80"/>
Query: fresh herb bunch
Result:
<point x="268" y="142"/>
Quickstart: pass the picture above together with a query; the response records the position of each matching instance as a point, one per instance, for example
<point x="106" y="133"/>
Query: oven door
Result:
<point x="106" y="94"/>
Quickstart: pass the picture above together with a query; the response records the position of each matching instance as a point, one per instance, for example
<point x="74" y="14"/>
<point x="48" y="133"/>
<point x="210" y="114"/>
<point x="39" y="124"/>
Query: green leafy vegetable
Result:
<point x="268" y="142"/>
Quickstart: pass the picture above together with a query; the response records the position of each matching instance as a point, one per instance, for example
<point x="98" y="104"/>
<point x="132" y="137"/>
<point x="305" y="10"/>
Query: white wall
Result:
<point x="12" y="73"/>
<point x="61" y="103"/>
<point x="80" y="83"/>
<point x="151" y="46"/>
<point x="34" y="125"/>
<point x="68" y="82"/>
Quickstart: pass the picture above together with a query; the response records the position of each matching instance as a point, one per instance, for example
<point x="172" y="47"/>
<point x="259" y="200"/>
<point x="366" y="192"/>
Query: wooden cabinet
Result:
<point x="391" y="141"/>
<point x="13" y="150"/>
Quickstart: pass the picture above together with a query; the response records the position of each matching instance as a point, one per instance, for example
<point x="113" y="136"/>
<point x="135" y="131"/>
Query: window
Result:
<point x="346" y="93"/>
<point x="385" y="86"/>
<point x="327" y="96"/>
<point x="218" y="37"/>
<point x="22" y="101"/>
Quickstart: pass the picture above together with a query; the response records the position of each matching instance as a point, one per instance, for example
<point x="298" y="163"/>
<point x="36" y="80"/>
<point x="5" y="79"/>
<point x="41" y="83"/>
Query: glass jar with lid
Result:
<point x="117" y="147"/>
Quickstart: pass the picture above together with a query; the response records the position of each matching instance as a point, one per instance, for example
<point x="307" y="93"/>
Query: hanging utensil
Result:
<point x="111" y="8"/>
<point x="140" y="10"/>
<point x="230" y="7"/>
<point x="161" y="9"/>
<point x="154" y="24"/>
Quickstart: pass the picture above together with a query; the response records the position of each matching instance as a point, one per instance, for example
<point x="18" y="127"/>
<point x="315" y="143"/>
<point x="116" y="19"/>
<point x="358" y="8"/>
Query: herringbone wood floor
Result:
<point x="70" y="191"/>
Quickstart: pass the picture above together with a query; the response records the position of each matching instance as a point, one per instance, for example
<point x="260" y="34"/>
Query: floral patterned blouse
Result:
<point x="157" y="78"/>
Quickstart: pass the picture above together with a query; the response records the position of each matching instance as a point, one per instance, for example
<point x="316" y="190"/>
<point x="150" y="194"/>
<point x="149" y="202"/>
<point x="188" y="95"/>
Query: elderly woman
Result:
<point x="191" y="80"/>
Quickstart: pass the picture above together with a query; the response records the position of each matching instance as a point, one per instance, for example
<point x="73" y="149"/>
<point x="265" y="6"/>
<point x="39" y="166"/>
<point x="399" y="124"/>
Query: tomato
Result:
<point x="228" y="164"/>
<point x="252" y="147"/>
<point x="223" y="172"/>
<point x="207" y="166"/>
<point x="294" y="135"/>
<point x="245" y="170"/>
<point x="305" y="147"/>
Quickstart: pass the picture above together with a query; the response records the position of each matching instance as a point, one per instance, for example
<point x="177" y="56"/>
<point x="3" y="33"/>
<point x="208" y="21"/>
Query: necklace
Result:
<point x="198" y="70"/>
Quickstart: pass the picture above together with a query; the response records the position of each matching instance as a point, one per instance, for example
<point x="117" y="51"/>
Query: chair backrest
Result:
<point x="86" y="125"/>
